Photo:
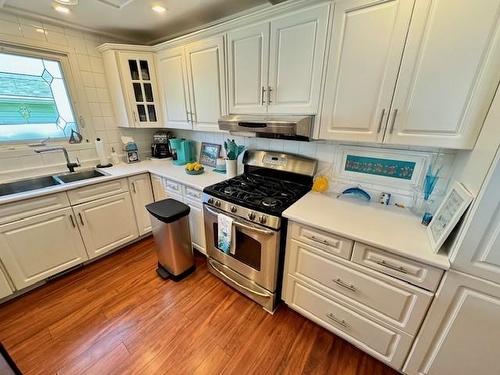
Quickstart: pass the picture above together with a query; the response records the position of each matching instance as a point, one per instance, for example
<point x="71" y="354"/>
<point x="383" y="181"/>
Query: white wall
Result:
<point x="329" y="156"/>
<point x="16" y="160"/>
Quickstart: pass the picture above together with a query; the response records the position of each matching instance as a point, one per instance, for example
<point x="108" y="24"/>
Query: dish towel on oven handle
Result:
<point x="225" y="233"/>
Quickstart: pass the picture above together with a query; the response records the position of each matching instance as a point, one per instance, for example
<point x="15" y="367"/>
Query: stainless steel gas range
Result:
<point x="255" y="201"/>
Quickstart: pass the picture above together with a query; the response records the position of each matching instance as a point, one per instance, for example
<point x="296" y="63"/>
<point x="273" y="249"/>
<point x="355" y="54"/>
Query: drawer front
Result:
<point x="193" y="194"/>
<point x="18" y="210"/>
<point x="389" y="346"/>
<point x="97" y="191"/>
<point x="330" y="243"/>
<point x="414" y="272"/>
<point x="173" y="187"/>
<point x="396" y="302"/>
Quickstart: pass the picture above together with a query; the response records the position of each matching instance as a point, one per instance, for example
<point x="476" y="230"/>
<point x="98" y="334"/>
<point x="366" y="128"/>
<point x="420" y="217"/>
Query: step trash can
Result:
<point x="170" y="223"/>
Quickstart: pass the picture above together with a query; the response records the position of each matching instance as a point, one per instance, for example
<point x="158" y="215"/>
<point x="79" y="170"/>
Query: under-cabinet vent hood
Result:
<point x="269" y="126"/>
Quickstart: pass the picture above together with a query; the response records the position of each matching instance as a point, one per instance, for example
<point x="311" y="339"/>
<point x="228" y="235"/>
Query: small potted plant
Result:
<point x="232" y="153"/>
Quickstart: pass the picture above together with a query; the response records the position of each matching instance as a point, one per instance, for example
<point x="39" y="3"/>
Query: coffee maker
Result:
<point x="160" y="148"/>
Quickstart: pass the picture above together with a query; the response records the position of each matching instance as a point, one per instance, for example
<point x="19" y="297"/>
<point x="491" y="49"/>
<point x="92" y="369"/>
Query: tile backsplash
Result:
<point x="329" y="156"/>
<point x="17" y="160"/>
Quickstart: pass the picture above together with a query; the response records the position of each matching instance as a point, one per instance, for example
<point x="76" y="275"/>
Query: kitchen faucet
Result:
<point x="71" y="166"/>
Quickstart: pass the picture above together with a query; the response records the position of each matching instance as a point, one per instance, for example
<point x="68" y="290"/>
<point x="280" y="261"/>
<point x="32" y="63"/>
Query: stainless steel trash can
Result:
<point x="170" y="223"/>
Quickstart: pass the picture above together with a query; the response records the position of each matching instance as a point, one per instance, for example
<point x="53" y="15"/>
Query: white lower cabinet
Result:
<point x="141" y="193"/>
<point x="196" y="225"/>
<point x="460" y="333"/>
<point x="5" y="289"/>
<point x="40" y="246"/>
<point x="106" y="223"/>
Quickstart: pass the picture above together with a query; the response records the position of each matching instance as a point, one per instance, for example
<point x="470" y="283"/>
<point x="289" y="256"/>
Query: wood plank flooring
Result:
<point x="116" y="316"/>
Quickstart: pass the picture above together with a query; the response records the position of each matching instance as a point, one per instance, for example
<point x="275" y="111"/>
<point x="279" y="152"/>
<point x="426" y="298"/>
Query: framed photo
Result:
<point x="209" y="154"/>
<point x="449" y="212"/>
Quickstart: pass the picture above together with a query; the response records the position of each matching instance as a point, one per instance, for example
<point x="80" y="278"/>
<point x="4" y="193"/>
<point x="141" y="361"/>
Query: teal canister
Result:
<point x="188" y="151"/>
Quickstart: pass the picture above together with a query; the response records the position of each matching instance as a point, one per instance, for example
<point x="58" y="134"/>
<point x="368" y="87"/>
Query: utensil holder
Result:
<point x="231" y="168"/>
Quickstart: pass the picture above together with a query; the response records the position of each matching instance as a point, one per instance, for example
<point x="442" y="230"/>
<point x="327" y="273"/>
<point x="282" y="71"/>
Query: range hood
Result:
<point x="269" y="126"/>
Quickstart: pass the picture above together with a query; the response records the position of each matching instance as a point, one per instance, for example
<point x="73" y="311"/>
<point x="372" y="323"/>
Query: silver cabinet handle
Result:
<point x="72" y="221"/>
<point x="391" y="129"/>
<point x="381" y="121"/>
<point x="133" y="188"/>
<point x="345" y="285"/>
<point x="263" y="96"/>
<point x="81" y="218"/>
<point x="340" y="322"/>
<point x="315" y="239"/>
<point x="269" y="89"/>
<point x="220" y="272"/>
<point x="392" y="266"/>
<point x="187" y="116"/>
<point x="135" y="116"/>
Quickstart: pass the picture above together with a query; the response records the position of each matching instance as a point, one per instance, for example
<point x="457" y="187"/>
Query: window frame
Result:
<point x="67" y="61"/>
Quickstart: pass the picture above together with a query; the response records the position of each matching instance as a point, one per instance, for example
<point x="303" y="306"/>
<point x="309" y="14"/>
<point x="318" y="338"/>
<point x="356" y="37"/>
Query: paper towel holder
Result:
<point x="103" y="159"/>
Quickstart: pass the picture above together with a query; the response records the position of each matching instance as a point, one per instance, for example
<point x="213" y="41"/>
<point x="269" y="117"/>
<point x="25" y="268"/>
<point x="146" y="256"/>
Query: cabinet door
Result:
<point x="106" y="223"/>
<point x="207" y="83"/>
<point x="5" y="289"/>
<point x="40" y="246"/>
<point x="159" y="191"/>
<point x="367" y="43"/>
<point x="248" y="58"/>
<point x="140" y="190"/>
<point x="460" y="332"/>
<point x="196" y="225"/>
<point x="478" y="249"/>
<point x="140" y="83"/>
<point x="174" y="84"/>
<point x="449" y="73"/>
<point x="297" y="49"/>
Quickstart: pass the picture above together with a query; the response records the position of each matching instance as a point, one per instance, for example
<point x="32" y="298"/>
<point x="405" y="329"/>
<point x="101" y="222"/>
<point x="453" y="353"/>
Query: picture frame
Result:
<point x="209" y="153"/>
<point x="454" y="204"/>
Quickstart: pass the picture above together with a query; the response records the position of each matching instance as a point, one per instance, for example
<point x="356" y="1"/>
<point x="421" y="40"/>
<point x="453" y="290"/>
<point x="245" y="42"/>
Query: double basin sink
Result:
<point x="36" y="183"/>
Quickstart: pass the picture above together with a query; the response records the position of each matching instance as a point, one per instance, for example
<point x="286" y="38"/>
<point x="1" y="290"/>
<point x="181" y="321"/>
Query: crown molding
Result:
<point x="54" y="21"/>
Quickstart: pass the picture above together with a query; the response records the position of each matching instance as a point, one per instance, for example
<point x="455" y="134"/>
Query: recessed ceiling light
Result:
<point x="158" y="9"/>
<point x="61" y="9"/>
<point x="40" y="30"/>
<point x="67" y="2"/>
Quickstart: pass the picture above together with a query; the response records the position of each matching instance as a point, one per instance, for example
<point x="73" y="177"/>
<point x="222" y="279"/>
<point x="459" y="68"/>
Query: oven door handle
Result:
<point x="220" y="272"/>
<point x="240" y="224"/>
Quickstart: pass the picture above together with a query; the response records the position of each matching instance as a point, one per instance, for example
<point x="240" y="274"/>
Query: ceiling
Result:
<point x="134" y="20"/>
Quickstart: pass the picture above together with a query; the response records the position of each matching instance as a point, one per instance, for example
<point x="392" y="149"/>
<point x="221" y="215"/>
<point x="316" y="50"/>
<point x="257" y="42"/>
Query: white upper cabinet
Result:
<point x="367" y="43"/>
<point x="34" y="248"/>
<point x="276" y="66"/>
<point x="248" y="56"/>
<point x="133" y="87"/>
<point x="207" y="82"/>
<point x="174" y="86"/>
<point x="296" y="55"/>
<point x="449" y="73"/>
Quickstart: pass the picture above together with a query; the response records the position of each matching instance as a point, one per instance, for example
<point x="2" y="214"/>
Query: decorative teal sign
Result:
<point x="380" y="167"/>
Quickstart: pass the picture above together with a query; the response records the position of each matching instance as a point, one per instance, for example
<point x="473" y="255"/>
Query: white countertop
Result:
<point x="386" y="227"/>
<point x="163" y="168"/>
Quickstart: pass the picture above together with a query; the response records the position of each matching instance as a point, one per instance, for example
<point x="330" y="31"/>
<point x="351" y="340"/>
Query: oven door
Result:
<point x="256" y="248"/>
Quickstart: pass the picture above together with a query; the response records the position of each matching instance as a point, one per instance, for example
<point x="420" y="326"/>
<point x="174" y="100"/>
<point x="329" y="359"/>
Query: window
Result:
<point x="34" y="100"/>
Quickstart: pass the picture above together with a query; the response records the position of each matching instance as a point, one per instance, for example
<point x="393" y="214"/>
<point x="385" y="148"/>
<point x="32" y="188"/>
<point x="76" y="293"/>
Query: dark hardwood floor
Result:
<point x="116" y="316"/>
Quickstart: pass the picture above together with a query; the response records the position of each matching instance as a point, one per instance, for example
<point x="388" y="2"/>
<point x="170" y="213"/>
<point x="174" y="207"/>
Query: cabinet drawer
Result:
<point x="328" y="242"/>
<point x="173" y="187"/>
<point x="18" y="210"/>
<point x="388" y="345"/>
<point x="97" y="191"/>
<point x="193" y="194"/>
<point x="414" y="272"/>
<point x="396" y="302"/>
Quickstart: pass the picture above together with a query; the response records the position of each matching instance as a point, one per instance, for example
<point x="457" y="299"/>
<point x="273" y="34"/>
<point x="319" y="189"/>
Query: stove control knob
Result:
<point x="234" y="209"/>
<point x="262" y="219"/>
<point x="210" y="200"/>
<point x="251" y="215"/>
<point x="217" y="203"/>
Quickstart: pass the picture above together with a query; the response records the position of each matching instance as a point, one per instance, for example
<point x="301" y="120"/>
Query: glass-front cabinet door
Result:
<point x="139" y="78"/>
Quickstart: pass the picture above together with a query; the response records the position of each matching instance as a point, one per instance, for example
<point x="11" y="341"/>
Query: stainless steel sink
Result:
<point x="78" y="176"/>
<point x="36" y="183"/>
<point x="27" y="185"/>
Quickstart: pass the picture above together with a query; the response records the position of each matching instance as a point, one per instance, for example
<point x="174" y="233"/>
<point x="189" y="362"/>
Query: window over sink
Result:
<point x="34" y="99"/>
